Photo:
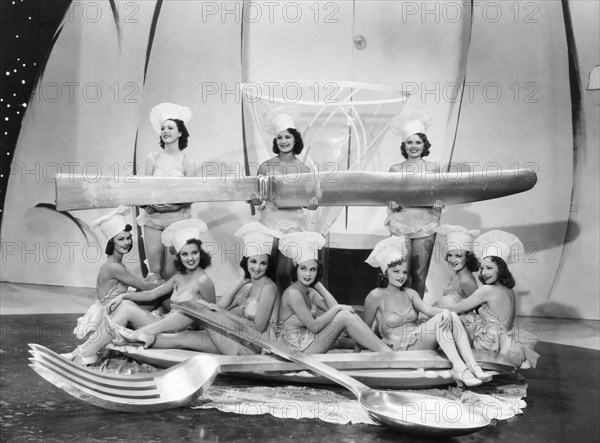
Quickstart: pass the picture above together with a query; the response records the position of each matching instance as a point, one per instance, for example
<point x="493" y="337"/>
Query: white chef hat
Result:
<point x="409" y="123"/>
<point x="458" y="237"/>
<point x="168" y="111"/>
<point x="113" y="222"/>
<point x="301" y="246"/>
<point x="280" y="119"/>
<point x="387" y="251"/>
<point x="501" y="244"/>
<point x="180" y="232"/>
<point x="258" y="239"/>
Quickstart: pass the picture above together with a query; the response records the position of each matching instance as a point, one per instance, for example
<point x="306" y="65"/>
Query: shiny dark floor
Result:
<point x="562" y="403"/>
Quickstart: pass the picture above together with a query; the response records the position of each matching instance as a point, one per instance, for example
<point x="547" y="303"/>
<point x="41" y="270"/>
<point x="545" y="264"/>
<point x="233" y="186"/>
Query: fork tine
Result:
<point x="97" y="398"/>
<point x="115" y="380"/>
<point x="95" y="382"/>
<point x="124" y="393"/>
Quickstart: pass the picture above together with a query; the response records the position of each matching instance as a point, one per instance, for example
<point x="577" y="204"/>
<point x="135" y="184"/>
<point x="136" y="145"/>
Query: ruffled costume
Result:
<point x="399" y="330"/>
<point x="413" y="222"/>
<point x="97" y="314"/>
<point x="489" y="333"/>
<point x="293" y="332"/>
<point x="284" y="220"/>
<point x="162" y="220"/>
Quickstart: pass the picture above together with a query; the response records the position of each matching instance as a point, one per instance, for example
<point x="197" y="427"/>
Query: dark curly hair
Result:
<point x="271" y="267"/>
<point x="382" y="279"/>
<point x="205" y="258"/>
<point x="504" y="275"/>
<point x="294" y="274"/>
<point x="110" y="245"/>
<point x="298" y="143"/>
<point x="426" y="146"/>
<point x="183" y="138"/>
<point x="472" y="263"/>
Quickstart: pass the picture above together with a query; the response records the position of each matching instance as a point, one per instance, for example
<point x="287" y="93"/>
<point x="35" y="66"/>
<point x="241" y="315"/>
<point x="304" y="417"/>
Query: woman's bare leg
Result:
<point x="193" y="340"/>
<point x="355" y="328"/>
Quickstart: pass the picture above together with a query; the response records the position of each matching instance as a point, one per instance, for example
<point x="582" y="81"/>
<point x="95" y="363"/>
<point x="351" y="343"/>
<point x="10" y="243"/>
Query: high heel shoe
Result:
<point x="123" y="336"/>
<point x="465" y="378"/>
<point x="480" y="373"/>
<point x="85" y="361"/>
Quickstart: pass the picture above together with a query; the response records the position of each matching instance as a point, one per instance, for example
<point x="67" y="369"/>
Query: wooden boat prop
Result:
<point x="341" y="188"/>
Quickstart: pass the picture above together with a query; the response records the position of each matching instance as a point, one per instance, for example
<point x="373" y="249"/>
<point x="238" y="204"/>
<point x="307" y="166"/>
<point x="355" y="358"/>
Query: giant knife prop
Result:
<point x="342" y="188"/>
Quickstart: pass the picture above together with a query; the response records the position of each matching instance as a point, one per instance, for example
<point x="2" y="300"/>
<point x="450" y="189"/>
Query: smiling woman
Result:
<point x="168" y="120"/>
<point x="417" y="225"/>
<point x="396" y="309"/>
<point x="287" y="144"/>
<point x="299" y="325"/>
<point x="191" y="282"/>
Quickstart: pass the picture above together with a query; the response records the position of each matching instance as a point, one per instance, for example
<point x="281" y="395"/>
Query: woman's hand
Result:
<point x="438" y="206"/>
<point x="114" y="303"/>
<point x="313" y="204"/>
<point x="393" y="206"/>
<point x="166" y="207"/>
<point x="347" y="308"/>
<point x="255" y="199"/>
<point x="446" y="319"/>
<point x="149" y="209"/>
<point x="212" y="307"/>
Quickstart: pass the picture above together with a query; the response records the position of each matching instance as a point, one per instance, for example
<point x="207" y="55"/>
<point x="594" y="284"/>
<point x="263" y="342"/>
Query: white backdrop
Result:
<point x="93" y="102"/>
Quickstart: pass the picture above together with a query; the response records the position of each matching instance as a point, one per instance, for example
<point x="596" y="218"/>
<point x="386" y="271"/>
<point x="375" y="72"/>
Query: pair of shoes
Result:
<point x="85" y="361"/>
<point x="480" y="373"/>
<point x="466" y="378"/>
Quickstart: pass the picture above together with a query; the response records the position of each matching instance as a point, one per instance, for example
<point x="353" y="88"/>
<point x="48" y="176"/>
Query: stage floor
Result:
<point x="562" y="402"/>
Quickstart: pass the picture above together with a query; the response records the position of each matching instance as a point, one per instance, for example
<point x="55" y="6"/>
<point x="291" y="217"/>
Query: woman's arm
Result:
<point x="234" y="296"/>
<point x="226" y="300"/>
<point x="467" y="283"/>
<point x="328" y="298"/>
<point x="478" y="297"/>
<point x="206" y="288"/>
<point x="264" y="310"/>
<point x="421" y="306"/>
<point x="123" y="275"/>
<point x="372" y="301"/>
<point x="149" y="164"/>
<point x="189" y="167"/>
<point x="299" y="307"/>
<point x="142" y="296"/>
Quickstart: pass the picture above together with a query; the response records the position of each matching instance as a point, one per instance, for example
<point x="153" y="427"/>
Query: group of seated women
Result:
<point x="306" y="316"/>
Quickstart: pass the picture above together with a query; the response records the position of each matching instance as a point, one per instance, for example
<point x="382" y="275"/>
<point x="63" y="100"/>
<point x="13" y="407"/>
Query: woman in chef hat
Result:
<point x="492" y="327"/>
<point x="169" y="122"/>
<point x="253" y="300"/>
<point x="113" y="279"/>
<point x="299" y="325"/>
<point x="191" y="282"/>
<point x="416" y="224"/>
<point x="462" y="262"/>
<point x="396" y="309"/>
<point x="281" y="122"/>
